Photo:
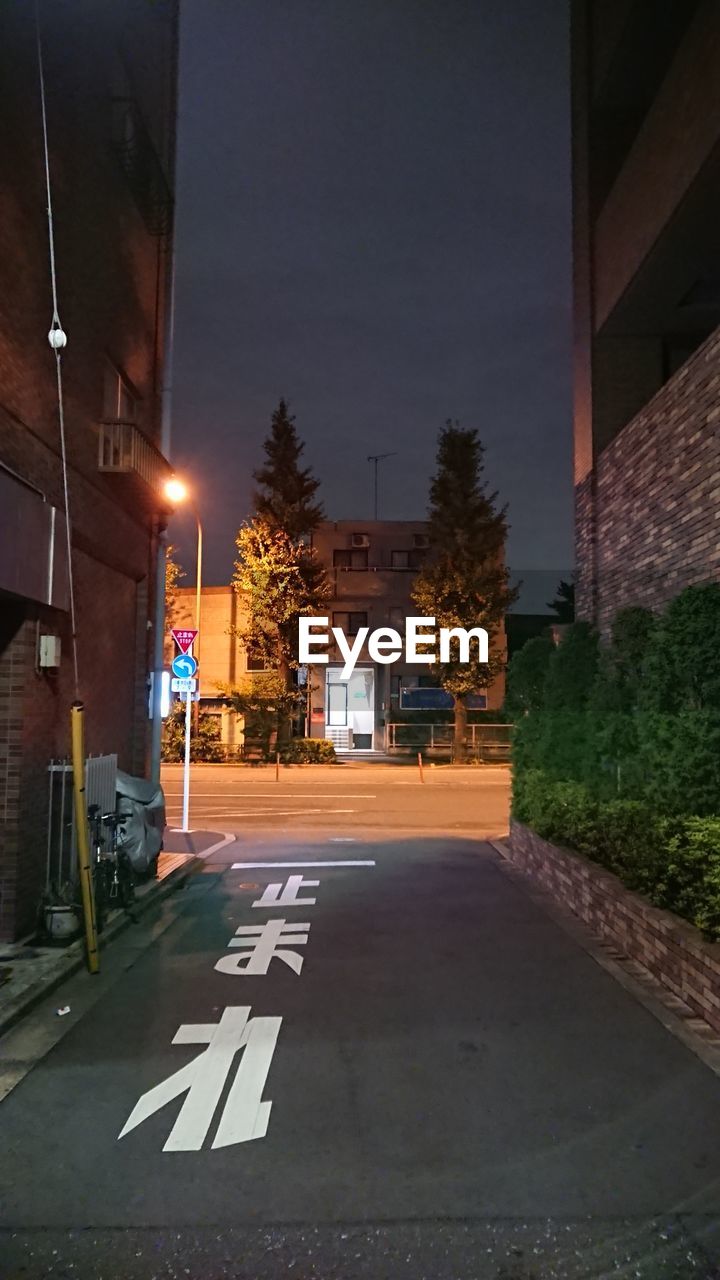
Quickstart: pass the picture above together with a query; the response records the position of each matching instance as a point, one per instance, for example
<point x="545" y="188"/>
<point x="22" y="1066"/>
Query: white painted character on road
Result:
<point x="265" y="941"/>
<point x="245" y="1116"/>
<point x="279" y="895"/>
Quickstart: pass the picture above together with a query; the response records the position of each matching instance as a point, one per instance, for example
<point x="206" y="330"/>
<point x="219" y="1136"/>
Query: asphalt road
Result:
<point x="338" y="798"/>
<point x="423" y="1078"/>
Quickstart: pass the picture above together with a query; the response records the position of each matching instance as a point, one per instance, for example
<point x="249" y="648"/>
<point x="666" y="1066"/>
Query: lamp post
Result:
<point x="177" y="493"/>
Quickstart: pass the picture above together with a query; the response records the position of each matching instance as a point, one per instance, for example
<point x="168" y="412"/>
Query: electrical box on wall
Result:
<point x="49" y="655"/>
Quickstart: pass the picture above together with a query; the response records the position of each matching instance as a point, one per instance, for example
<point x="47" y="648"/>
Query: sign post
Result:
<point x="184" y="667"/>
<point x="186" y="771"/>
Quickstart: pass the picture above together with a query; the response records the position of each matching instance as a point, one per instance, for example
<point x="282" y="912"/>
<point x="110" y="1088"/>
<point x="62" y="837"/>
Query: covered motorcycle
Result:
<point x="142" y="804"/>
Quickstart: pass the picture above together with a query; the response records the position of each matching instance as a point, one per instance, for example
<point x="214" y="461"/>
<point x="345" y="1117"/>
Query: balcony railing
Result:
<point x="124" y="449"/>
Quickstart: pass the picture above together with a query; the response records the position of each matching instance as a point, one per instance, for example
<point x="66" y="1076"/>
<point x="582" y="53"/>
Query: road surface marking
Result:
<point x="242" y="866"/>
<point x="245" y="1116"/>
<point x="253" y="795"/>
<point x="266" y="941"/>
<point x="266" y="813"/>
<point x="279" y="895"/>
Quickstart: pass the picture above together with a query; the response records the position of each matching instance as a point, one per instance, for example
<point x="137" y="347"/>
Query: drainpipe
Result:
<point x="165" y="437"/>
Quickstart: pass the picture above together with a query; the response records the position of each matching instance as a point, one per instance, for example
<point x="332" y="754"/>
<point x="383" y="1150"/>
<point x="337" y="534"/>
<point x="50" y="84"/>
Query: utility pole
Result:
<point x="375" y="458"/>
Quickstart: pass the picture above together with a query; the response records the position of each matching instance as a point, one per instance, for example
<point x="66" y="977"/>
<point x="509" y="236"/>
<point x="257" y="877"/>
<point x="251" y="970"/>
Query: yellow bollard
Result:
<point x="77" y="729"/>
<point x="420" y="766"/>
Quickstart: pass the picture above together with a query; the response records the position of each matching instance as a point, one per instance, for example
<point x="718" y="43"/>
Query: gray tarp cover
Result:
<point x="141" y="835"/>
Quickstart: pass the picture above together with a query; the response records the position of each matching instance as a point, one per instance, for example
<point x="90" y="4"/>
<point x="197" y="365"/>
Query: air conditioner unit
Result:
<point x="421" y="540"/>
<point x="359" y="540"/>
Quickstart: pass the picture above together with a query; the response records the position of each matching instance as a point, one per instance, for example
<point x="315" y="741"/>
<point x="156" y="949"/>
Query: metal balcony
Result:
<point x="123" y="449"/>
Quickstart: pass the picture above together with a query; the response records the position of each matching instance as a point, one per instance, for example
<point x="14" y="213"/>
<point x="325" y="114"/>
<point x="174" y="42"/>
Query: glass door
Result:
<point x="337" y="705"/>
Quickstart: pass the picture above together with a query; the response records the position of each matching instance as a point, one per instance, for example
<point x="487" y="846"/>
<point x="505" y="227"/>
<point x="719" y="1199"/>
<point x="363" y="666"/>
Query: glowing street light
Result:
<point x="175" y="491"/>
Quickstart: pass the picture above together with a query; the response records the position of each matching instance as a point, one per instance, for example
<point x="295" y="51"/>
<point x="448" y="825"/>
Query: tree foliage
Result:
<point x="527" y="676"/>
<point x="277" y="572"/>
<point x="563" y="606"/>
<point x="205" y="739"/>
<point x="286" y="495"/>
<point x="280" y="582"/>
<point x="637" y="718"/>
<point x="264" y="701"/>
<point x="174" y="573"/>
<point x="464" y="582"/>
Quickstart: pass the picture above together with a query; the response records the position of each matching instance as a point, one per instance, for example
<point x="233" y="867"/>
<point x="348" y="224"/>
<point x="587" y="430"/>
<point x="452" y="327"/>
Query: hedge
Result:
<point x="674" y="862"/>
<point x="616" y="748"/>
<point x="308" y="751"/>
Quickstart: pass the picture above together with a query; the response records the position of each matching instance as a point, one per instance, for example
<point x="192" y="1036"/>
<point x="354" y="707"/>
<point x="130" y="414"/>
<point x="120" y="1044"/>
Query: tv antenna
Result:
<point x="375" y="458"/>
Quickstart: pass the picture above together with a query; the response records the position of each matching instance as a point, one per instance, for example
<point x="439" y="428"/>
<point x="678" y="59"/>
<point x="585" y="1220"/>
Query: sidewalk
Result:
<point x="29" y="972"/>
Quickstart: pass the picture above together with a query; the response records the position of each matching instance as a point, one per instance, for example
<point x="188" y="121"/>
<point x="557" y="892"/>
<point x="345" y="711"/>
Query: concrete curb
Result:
<point x="72" y="958"/>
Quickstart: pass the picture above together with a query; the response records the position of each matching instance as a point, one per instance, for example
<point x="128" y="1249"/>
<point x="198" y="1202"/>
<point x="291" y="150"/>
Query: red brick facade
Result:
<point x="647" y="517"/>
<point x="671" y="950"/>
<point x="113" y="258"/>
<point x="646" y="203"/>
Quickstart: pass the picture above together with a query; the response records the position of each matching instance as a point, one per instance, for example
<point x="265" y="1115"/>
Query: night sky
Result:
<point x="373" y="221"/>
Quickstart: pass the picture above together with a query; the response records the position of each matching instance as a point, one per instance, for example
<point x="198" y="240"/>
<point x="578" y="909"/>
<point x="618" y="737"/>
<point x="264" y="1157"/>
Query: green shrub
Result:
<point x="308" y="751"/>
<point x="616" y="750"/>
<point x="526" y="677"/>
<point x="675" y="862"/>
<point x="205" y="744"/>
<point x="689" y="882"/>
<point x="682" y="669"/>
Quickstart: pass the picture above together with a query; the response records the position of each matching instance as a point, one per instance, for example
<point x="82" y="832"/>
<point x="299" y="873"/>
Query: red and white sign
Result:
<point x="184" y="639"/>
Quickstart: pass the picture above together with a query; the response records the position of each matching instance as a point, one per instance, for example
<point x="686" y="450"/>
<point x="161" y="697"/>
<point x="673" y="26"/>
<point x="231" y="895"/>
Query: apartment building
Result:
<point x="110" y="82"/>
<point x="646" y="198"/>
<point x="371" y="566"/>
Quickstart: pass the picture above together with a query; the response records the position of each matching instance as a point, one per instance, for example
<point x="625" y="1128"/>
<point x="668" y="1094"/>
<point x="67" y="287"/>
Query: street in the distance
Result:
<point x="344" y="796"/>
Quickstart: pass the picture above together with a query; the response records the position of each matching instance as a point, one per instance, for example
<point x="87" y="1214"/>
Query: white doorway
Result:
<point x="350" y="706"/>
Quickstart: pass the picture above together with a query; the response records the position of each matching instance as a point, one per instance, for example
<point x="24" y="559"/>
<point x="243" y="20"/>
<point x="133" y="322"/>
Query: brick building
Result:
<point x="371" y="566"/>
<point x="110" y="75"/>
<point x="646" y="179"/>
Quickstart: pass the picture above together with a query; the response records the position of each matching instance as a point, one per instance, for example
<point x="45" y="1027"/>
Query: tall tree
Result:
<point x="464" y="582"/>
<point x="277" y="571"/>
<point x="285" y="497"/>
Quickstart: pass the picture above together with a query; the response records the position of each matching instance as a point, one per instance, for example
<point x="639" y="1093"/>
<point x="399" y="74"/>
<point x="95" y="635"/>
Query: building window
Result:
<point x="350" y="623"/>
<point x="119" y="401"/>
<point x="255" y="662"/>
<point x="407" y="559"/>
<point x="350" y="559"/>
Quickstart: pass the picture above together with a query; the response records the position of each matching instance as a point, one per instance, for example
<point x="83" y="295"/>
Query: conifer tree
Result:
<point x="285" y="498"/>
<point x="464" y="582"/>
<point x="277" y="571"/>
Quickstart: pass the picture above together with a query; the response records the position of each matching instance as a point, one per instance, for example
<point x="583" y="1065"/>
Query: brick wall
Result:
<point x="112" y="268"/>
<point x="657" y="498"/>
<point x="671" y="950"/>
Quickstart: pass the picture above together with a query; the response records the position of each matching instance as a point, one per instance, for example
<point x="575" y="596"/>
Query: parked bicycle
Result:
<point x="113" y="875"/>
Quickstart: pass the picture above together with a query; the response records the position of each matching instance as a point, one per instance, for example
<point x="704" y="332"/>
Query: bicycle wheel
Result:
<point x="126" y="881"/>
<point x="101" y="891"/>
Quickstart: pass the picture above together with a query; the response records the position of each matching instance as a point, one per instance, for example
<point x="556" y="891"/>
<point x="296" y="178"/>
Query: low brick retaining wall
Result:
<point x="673" y="951"/>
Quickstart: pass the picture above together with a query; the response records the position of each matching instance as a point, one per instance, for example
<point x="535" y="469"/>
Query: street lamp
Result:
<point x="177" y="492"/>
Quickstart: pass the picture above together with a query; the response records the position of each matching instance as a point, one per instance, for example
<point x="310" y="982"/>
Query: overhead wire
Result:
<point x="57" y="339"/>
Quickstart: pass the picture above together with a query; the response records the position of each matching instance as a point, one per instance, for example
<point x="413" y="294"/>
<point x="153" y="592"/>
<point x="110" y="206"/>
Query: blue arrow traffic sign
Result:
<point x="184" y="666"/>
